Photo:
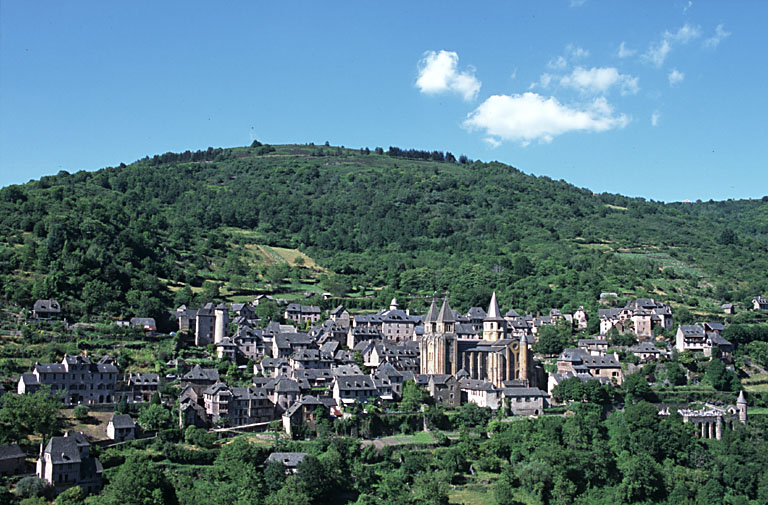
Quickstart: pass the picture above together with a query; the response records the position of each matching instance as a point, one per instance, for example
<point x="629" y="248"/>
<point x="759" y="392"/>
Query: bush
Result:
<point x="32" y="486"/>
<point x="199" y="437"/>
<point x="80" y="412"/>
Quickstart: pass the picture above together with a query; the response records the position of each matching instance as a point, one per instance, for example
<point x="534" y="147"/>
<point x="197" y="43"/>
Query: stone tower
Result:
<point x="741" y="406"/>
<point x="393" y="305"/>
<point x="438" y="346"/>
<point x="494" y="326"/>
<point x="222" y="321"/>
<point x="522" y="354"/>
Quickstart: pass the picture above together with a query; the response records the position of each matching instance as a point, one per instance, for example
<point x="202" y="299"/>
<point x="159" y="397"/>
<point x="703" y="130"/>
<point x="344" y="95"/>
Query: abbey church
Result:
<point x="497" y="358"/>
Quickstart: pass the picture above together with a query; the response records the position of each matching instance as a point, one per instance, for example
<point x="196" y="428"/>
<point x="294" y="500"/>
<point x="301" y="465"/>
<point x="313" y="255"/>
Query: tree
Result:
<point x="414" y="396"/>
<point x="552" y="339"/>
<point x="720" y="377"/>
<point x="637" y="387"/>
<point x="522" y="266"/>
<point x="28" y="414"/>
<point x="154" y="417"/>
<point x="80" y="412"/>
<point x="71" y="496"/>
<point x="122" y="406"/>
<point x="29" y="487"/>
<point x="137" y="482"/>
<point x="617" y="339"/>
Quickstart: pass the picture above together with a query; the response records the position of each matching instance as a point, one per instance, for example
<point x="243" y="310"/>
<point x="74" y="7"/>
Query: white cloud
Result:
<point x="624" y="52"/>
<point x="656" y="54"/>
<point x="544" y="81"/>
<point x="558" y="63"/>
<point x="576" y="52"/>
<point x="718" y="37"/>
<point x="438" y="73"/>
<point x="655" y="118"/>
<point x="685" y="34"/>
<point x="690" y="4"/>
<point x="530" y="116"/>
<point x="600" y="80"/>
<point x="675" y="77"/>
<point x="578" y="3"/>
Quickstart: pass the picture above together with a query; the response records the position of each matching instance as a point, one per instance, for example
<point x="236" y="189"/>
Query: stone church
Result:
<point x="496" y="358"/>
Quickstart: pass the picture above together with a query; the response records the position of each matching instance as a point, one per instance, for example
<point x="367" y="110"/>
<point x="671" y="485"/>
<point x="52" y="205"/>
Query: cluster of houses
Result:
<point x="639" y="316"/>
<point x="482" y="357"/>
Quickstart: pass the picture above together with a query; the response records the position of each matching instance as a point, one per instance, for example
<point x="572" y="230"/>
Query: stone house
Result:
<point x="580" y="361"/>
<point x="760" y="303"/>
<point x="302" y="313"/>
<point x="444" y="388"/>
<point x="646" y="351"/>
<point x="12" y="460"/>
<point x="290" y="460"/>
<point x="524" y="401"/>
<point x="76" y="379"/>
<point x="199" y="378"/>
<point x="143" y="323"/>
<point x="481" y="392"/>
<point x="694" y="337"/>
<point x="351" y="388"/>
<point x="142" y="386"/>
<point x="121" y="428"/>
<point x="341" y="316"/>
<point x="285" y="344"/>
<point x="66" y="461"/>
<point x="46" y="309"/>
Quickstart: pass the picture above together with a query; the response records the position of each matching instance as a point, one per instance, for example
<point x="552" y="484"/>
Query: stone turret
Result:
<point x="494" y="326"/>
<point x="741" y="406"/>
<point x="393" y="305"/>
<point x="222" y="321"/>
<point x="523" y="358"/>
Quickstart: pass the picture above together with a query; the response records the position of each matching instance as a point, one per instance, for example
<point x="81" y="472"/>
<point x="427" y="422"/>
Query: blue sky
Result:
<point x="663" y="100"/>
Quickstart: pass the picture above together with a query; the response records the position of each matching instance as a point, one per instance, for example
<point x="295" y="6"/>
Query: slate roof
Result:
<point x="47" y="306"/>
<point x="12" y="451"/>
<point x="288" y="340"/>
<point x="583" y="358"/>
<point x="494" y="314"/>
<point x="122" y="421"/>
<point x="198" y="373"/>
<point x="63" y="450"/>
<point x="692" y="330"/>
<point x="440" y="378"/>
<point x="524" y="393"/>
<point x="446" y="315"/>
<point x="285" y="385"/>
<point x="431" y="313"/>
<point x="477" y="385"/>
<point x="355" y="383"/>
<point x="289" y="459"/>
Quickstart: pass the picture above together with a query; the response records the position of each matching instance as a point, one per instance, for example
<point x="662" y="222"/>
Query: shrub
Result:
<point x="80" y="412"/>
<point x="32" y="486"/>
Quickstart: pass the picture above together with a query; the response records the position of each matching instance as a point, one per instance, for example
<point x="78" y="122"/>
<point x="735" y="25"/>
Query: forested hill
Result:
<point x="134" y="239"/>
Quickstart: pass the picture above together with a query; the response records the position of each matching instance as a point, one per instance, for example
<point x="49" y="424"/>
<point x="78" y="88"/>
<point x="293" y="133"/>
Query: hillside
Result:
<point x="231" y="223"/>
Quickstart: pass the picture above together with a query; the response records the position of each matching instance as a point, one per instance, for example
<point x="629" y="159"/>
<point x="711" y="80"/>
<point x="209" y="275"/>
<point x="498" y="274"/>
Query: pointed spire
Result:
<point x="741" y="398"/>
<point x="431" y="316"/>
<point x="494" y="314"/>
<point x="446" y="314"/>
<point x="523" y="339"/>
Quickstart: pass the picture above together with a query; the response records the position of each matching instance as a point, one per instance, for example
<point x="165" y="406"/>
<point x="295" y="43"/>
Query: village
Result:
<point x="289" y="375"/>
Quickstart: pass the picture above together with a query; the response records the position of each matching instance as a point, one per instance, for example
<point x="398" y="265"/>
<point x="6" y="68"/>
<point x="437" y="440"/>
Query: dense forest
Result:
<point x="135" y="239"/>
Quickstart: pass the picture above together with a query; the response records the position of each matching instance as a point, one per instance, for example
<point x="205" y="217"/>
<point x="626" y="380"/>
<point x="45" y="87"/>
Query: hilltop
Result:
<point x="231" y="223"/>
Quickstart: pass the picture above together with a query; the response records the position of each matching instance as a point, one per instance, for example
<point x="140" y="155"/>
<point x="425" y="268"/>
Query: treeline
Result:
<point x="416" y="154"/>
